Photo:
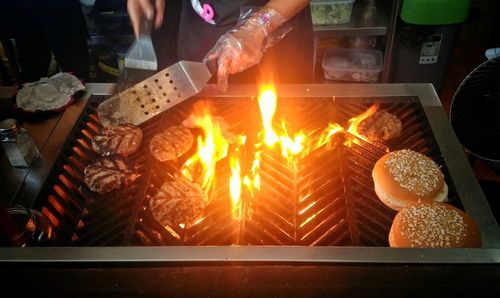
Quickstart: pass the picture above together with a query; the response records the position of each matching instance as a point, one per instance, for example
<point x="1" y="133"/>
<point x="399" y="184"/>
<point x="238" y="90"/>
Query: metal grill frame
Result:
<point x="460" y="172"/>
<point x="325" y="198"/>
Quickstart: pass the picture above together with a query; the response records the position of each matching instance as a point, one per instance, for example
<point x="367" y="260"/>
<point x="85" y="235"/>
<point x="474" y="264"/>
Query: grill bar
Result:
<point x="325" y="198"/>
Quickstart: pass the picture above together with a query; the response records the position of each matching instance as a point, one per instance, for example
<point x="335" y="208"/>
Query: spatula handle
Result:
<point x="212" y="66"/>
<point x="145" y="27"/>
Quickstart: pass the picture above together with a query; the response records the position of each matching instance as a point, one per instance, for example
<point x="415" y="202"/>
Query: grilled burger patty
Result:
<point x="381" y="126"/>
<point x="178" y="202"/>
<point x="171" y="143"/>
<point x="120" y="139"/>
<point x="109" y="173"/>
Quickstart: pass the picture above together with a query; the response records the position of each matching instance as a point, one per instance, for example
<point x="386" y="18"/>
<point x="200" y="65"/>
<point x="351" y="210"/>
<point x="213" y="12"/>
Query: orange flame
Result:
<point x="289" y="146"/>
<point x="201" y="166"/>
<point x="356" y="121"/>
<point x="267" y="104"/>
<point x="235" y="186"/>
<point x="328" y="133"/>
<point x="252" y="181"/>
<point x="214" y="147"/>
<point x="235" y="180"/>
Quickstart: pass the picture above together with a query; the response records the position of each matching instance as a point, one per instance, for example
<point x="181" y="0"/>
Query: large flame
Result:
<point x="211" y="148"/>
<point x="235" y="180"/>
<point x="356" y="121"/>
<point x="252" y="181"/>
<point x="267" y="104"/>
<point x="329" y="133"/>
<point x="290" y="146"/>
<point x="235" y="186"/>
<point x="245" y="159"/>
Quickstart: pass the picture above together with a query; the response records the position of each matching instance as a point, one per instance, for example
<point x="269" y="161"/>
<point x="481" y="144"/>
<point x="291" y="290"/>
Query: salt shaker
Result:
<point x="17" y="144"/>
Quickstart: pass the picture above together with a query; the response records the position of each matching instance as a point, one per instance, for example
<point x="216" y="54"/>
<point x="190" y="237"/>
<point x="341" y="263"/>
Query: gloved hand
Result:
<point x="244" y="45"/>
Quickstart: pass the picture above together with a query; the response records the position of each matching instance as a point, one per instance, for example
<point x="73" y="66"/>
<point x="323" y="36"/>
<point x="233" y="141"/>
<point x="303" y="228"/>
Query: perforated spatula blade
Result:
<point x="141" y="54"/>
<point x="156" y="94"/>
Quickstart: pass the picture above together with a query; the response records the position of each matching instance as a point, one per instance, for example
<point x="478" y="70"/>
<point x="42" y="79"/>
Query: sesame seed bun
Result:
<point x="433" y="224"/>
<point x="404" y="177"/>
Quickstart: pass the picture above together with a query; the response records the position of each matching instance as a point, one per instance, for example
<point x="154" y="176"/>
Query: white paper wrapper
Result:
<point x="48" y="93"/>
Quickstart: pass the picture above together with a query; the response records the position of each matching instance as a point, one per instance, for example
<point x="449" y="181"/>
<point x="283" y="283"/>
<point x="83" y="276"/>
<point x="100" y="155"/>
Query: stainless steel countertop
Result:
<point x="50" y="134"/>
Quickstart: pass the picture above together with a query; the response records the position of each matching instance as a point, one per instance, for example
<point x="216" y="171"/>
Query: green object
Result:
<point x="435" y="12"/>
<point x="328" y="12"/>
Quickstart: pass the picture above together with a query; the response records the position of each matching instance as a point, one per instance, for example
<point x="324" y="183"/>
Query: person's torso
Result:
<point x="197" y="36"/>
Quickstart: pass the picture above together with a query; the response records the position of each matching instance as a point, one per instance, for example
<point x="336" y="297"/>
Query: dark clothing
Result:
<point x="40" y="27"/>
<point x="289" y="61"/>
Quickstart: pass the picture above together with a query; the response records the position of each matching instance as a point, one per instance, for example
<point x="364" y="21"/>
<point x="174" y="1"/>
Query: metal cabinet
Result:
<point x="370" y="18"/>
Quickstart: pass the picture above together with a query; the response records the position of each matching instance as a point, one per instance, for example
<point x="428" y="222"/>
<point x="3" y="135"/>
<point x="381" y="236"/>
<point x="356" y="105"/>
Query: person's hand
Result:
<point x="151" y="9"/>
<point x="244" y="46"/>
<point x="236" y="51"/>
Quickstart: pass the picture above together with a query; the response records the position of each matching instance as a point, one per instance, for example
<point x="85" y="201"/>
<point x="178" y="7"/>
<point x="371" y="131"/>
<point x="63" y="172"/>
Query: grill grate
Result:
<point x="325" y="198"/>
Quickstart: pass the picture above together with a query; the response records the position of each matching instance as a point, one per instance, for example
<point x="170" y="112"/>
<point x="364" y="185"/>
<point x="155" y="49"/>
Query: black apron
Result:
<point x="289" y="61"/>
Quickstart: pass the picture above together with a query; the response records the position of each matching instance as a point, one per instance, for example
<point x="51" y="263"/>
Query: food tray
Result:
<point x="331" y="12"/>
<point x="353" y="65"/>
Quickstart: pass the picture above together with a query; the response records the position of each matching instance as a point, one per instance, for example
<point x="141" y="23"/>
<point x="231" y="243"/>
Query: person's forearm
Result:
<point x="287" y="8"/>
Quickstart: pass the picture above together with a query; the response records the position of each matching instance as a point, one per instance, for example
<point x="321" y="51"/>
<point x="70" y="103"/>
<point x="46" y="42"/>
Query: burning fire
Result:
<point x="245" y="180"/>
<point x="212" y="148"/>
<point x="267" y="104"/>
<point x="252" y="181"/>
<point x="235" y="186"/>
<point x="328" y="133"/>
<point x="289" y="146"/>
<point x="235" y="180"/>
<point x="356" y="121"/>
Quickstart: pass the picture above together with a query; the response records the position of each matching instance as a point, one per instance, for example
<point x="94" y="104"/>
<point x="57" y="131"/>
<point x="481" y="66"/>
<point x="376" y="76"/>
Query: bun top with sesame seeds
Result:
<point x="433" y="224"/>
<point x="408" y="175"/>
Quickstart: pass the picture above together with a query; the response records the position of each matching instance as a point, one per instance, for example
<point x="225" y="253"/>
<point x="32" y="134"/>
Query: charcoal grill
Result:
<point x="320" y="209"/>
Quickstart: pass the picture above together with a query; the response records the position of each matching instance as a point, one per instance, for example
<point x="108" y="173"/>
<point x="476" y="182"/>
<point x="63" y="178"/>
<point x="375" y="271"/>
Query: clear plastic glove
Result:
<point x="244" y="46"/>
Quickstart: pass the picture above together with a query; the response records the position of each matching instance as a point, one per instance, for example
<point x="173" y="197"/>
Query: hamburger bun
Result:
<point x="404" y="177"/>
<point x="433" y="224"/>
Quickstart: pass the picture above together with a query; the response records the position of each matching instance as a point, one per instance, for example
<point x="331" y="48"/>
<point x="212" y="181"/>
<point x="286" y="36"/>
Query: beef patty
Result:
<point x="171" y="143"/>
<point x="117" y="139"/>
<point x="109" y="173"/>
<point x="178" y="202"/>
<point x="381" y="126"/>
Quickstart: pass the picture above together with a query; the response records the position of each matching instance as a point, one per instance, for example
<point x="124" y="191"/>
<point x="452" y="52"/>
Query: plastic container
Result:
<point x="331" y="12"/>
<point x="352" y="65"/>
<point x="363" y="42"/>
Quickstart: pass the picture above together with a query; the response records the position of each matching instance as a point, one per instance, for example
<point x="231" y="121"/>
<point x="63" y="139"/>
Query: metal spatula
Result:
<point x="156" y="94"/>
<point x="141" y="54"/>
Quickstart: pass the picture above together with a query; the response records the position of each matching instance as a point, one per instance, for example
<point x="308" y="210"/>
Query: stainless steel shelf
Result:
<point x="367" y="19"/>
